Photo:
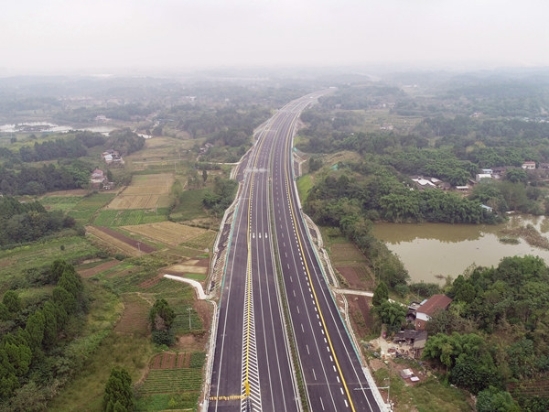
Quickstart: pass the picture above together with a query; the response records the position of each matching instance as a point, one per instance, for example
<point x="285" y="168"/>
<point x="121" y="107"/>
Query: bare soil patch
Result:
<point x="171" y="360"/>
<point x="88" y="273"/>
<point x="346" y="252"/>
<point x="135" y="317"/>
<point x="184" y="360"/>
<point x="359" y="312"/>
<point x="168" y="360"/>
<point x="156" y="361"/>
<point x="107" y="234"/>
<point x="351" y="276"/>
<point x="182" y="269"/>
<point x="205" y="311"/>
<point x="150" y="282"/>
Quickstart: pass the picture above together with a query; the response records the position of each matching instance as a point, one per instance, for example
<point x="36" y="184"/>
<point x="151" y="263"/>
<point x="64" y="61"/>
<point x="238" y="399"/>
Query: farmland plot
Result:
<point x="169" y="233"/>
<point x="145" y="192"/>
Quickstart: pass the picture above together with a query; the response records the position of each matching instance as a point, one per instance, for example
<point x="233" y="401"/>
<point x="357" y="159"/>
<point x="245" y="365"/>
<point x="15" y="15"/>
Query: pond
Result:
<point x="46" y="127"/>
<point x="429" y="250"/>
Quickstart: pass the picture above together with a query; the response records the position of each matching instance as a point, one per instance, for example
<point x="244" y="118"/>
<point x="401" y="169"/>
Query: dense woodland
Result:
<point x="38" y="351"/>
<point x="27" y="222"/>
<point x="495" y="336"/>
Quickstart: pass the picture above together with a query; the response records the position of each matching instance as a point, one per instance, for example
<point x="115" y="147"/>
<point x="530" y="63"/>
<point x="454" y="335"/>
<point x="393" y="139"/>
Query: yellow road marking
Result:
<point x="315" y="295"/>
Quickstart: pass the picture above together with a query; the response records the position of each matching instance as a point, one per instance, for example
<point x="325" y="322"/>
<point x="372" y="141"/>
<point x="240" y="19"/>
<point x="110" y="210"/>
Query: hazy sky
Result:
<point x="102" y="34"/>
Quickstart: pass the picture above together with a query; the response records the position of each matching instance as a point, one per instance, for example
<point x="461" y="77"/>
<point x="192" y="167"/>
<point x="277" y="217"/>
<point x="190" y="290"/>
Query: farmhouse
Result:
<point x="481" y="176"/>
<point x="423" y="183"/>
<point x="97" y="179"/>
<point x="112" y="157"/>
<point x="529" y="165"/>
<point x="429" y="307"/>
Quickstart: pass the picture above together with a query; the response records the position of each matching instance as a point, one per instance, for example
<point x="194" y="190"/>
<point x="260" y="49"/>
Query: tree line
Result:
<point x="378" y="192"/>
<point x="38" y="180"/>
<point x="27" y="222"/>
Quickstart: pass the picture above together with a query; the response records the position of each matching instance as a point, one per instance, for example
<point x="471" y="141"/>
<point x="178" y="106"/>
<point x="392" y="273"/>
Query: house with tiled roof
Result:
<point x="429" y="307"/>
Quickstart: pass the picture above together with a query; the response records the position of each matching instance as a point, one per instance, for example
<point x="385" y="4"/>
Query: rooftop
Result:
<point x="435" y="303"/>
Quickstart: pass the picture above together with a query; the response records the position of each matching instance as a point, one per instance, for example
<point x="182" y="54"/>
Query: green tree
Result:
<point x="381" y="294"/>
<point x="161" y="315"/>
<point x="12" y="301"/>
<point x="391" y="314"/>
<point x="496" y="400"/>
<point x="50" y="325"/>
<point x="118" y="392"/>
<point x="517" y="175"/>
<point x="35" y="329"/>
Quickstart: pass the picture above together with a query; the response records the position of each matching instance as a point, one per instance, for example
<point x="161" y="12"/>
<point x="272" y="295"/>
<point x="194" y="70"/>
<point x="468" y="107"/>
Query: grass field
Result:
<point x="14" y="261"/>
<point x="304" y="186"/>
<point x="168" y="233"/>
<point x="428" y="395"/>
<point x="85" y="393"/>
<point x="63" y="203"/>
<point x="111" y="218"/>
<point x="190" y="206"/>
<point x="205" y="240"/>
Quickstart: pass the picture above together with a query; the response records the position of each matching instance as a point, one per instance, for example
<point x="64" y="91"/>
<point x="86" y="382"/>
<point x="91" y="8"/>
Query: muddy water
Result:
<point x="432" y="249"/>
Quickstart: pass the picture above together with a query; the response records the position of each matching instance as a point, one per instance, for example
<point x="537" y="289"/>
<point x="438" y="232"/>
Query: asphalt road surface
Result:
<point x="271" y="264"/>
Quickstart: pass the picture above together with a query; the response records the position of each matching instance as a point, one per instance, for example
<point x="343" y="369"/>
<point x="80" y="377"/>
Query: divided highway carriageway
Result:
<point x="274" y="296"/>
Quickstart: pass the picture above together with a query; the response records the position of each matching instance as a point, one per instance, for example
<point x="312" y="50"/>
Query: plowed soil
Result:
<point x="88" y="273"/>
<point x="351" y="276"/>
<point x="119" y="241"/>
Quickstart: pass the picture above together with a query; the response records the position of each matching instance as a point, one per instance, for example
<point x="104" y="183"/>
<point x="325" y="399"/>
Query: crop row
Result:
<point x="172" y="380"/>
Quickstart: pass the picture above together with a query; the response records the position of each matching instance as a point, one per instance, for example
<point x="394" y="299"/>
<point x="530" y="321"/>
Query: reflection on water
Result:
<point x="432" y="249"/>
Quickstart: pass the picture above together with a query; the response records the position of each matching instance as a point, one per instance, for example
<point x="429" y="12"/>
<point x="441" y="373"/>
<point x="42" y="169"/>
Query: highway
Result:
<point x="271" y="264"/>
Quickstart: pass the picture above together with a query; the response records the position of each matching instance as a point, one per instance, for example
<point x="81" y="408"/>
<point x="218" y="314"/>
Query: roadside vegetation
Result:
<point x="364" y="144"/>
<point x="161" y="216"/>
<point x="489" y="343"/>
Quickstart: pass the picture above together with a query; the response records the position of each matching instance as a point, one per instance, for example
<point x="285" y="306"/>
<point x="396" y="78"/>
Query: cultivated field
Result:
<point x="73" y="202"/>
<point x="169" y="233"/>
<point x="112" y="218"/>
<point x="145" y="192"/>
<point x="118" y="241"/>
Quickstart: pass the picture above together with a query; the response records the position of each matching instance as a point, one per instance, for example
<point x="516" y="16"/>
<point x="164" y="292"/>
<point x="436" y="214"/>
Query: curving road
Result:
<point x="271" y="262"/>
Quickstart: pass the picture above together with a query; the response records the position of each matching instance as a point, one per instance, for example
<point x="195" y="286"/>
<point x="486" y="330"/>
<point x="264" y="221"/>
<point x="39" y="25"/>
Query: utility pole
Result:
<point x="190" y="324"/>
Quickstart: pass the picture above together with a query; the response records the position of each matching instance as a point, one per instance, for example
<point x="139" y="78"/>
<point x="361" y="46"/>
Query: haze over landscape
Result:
<point x="122" y="35"/>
